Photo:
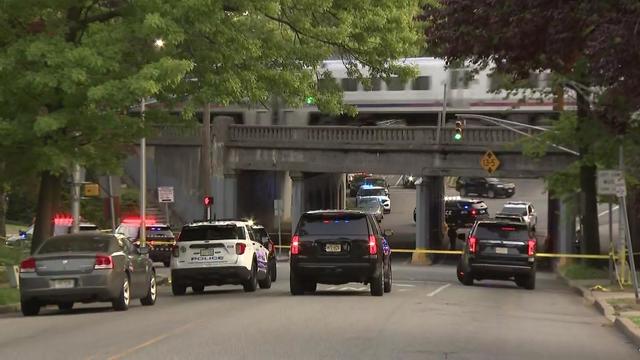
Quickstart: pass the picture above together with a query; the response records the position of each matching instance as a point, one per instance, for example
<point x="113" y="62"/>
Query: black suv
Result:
<point x="336" y="247"/>
<point x="461" y="212"/>
<point x="498" y="249"/>
<point x="489" y="187"/>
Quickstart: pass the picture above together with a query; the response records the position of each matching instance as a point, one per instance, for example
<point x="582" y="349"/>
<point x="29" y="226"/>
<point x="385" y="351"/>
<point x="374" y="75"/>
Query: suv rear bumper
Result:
<point x="501" y="270"/>
<point x="336" y="273"/>
<point x="210" y="276"/>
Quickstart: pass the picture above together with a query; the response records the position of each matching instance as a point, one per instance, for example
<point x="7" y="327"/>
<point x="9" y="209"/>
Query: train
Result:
<point x="416" y="102"/>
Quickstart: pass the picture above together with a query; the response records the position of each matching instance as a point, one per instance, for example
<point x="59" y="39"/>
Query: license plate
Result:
<point x="501" y="250"/>
<point x="206" y="252"/>
<point x="62" y="284"/>
<point x="333" y="248"/>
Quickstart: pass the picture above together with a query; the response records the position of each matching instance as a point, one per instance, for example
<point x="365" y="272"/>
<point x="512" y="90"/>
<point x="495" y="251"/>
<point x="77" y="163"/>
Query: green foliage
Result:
<point x="11" y="255"/>
<point x="584" y="272"/>
<point x="9" y="296"/>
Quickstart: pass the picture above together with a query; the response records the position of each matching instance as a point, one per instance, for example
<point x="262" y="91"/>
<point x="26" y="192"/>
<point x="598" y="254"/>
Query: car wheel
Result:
<point x="252" y="283"/>
<point x="530" y="282"/>
<point x="465" y="278"/>
<point x="273" y="271"/>
<point x="295" y="285"/>
<point x="463" y="191"/>
<point x="310" y="286"/>
<point x="533" y="228"/>
<point x="198" y="289"/>
<point x="377" y="284"/>
<point x="491" y="194"/>
<point x="65" y="306"/>
<point x="167" y="263"/>
<point x="178" y="289"/>
<point x="152" y="291"/>
<point x="266" y="282"/>
<point x="121" y="303"/>
<point x="30" y="307"/>
<point x="388" y="279"/>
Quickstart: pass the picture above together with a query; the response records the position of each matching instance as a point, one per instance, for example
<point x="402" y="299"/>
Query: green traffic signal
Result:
<point x="457" y="136"/>
<point x="310" y="100"/>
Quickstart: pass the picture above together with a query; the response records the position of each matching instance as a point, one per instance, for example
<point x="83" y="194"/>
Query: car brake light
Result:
<point x="531" y="247"/>
<point x="28" y="265"/>
<point x="295" y="245"/>
<point x="271" y="249"/>
<point x="103" y="262"/>
<point x="474" y="212"/>
<point x="175" y="251"/>
<point x="473" y="244"/>
<point x="373" y="246"/>
<point x="240" y="247"/>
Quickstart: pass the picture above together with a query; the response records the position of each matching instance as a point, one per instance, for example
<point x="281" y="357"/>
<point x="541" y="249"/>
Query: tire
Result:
<point x="491" y="194"/>
<point x="310" y="286"/>
<point x="198" y="289"/>
<point x="121" y="303"/>
<point x="377" y="284"/>
<point x="167" y="264"/>
<point x="65" y="306"/>
<point x="252" y="283"/>
<point x="388" y="279"/>
<point x="152" y="292"/>
<point x="533" y="228"/>
<point x="266" y="282"/>
<point x="29" y="307"/>
<point x="530" y="282"/>
<point x="273" y="271"/>
<point x="465" y="278"/>
<point x="295" y="285"/>
<point x="178" y="289"/>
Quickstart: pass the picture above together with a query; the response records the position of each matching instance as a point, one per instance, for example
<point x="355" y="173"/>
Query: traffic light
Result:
<point x="310" y="100"/>
<point x="457" y="135"/>
<point x="208" y="201"/>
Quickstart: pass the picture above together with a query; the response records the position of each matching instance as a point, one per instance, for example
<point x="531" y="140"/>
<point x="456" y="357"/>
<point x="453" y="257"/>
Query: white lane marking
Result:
<point x="607" y="211"/>
<point x="407" y="285"/>
<point x="403" y="290"/>
<point x="399" y="180"/>
<point x="436" y="291"/>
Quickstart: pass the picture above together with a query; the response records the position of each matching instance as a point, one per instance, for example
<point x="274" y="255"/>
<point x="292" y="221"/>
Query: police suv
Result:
<point x="218" y="253"/>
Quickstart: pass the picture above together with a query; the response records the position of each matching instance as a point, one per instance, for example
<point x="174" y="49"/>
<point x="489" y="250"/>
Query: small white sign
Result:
<point x="611" y="182"/>
<point x="165" y="194"/>
<point x="278" y="207"/>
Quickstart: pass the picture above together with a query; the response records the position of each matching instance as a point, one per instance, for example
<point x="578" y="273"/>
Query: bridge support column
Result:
<point x="297" y="198"/>
<point x="435" y="194"/>
<point x="230" y="195"/>
<point x="422" y="223"/>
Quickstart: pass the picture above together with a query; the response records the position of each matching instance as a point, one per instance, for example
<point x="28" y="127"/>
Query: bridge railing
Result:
<point x="368" y="135"/>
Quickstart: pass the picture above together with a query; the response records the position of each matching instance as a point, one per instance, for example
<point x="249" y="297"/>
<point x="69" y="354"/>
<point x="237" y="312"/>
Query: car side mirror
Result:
<point x="143" y="250"/>
<point x="462" y="237"/>
<point x="388" y="232"/>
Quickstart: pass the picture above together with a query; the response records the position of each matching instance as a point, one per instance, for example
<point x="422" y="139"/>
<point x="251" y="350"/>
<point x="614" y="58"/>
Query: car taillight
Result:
<point x="28" y="265"/>
<point x="531" y="247"/>
<point x="474" y="212"/>
<point x="373" y="246"/>
<point x="295" y="245"/>
<point x="103" y="262"/>
<point x="240" y="247"/>
<point x="473" y="244"/>
<point x="271" y="246"/>
<point x="175" y="251"/>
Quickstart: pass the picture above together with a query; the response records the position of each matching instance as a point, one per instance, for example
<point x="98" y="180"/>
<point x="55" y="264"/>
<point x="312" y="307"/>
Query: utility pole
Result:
<point x="143" y="182"/>
<point x="206" y="150"/>
<point x="75" y="198"/>
<point x="624" y="221"/>
<point x="112" y="209"/>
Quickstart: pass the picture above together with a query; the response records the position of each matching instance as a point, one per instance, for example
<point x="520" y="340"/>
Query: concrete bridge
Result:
<point x="304" y="166"/>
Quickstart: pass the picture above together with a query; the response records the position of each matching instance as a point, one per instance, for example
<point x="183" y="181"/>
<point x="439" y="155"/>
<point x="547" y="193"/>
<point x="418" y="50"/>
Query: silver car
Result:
<point x="86" y="267"/>
<point x="372" y="206"/>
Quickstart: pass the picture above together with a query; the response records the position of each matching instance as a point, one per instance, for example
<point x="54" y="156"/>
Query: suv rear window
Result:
<point x="76" y="244"/>
<point x="333" y="224"/>
<point x="518" y="210"/>
<point x="212" y="232"/>
<point x="497" y="231"/>
<point x="159" y="232"/>
<point x="371" y="192"/>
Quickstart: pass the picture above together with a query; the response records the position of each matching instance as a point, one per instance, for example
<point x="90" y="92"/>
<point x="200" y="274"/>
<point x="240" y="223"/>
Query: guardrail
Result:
<point x="422" y="135"/>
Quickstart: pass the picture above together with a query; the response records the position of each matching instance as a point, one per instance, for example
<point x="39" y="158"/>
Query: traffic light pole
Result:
<point x="143" y="182"/>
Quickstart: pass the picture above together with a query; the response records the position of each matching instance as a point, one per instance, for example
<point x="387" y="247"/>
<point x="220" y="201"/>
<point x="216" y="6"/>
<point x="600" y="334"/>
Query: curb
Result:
<point x="628" y="328"/>
<point x="624" y="325"/>
<point x="11" y="308"/>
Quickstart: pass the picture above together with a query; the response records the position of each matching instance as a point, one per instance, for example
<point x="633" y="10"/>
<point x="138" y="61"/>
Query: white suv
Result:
<point x="218" y="253"/>
<point x="521" y="208"/>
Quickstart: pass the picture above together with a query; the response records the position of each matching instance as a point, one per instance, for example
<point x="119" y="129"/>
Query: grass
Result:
<point x="12" y="255"/>
<point x="9" y="296"/>
<point x="635" y="319"/>
<point x="624" y="304"/>
<point x="584" y="272"/>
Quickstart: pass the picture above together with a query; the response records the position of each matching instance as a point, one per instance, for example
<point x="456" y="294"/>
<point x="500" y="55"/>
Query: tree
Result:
<point x="70" y="72"/>
<point x="586" y="44"/>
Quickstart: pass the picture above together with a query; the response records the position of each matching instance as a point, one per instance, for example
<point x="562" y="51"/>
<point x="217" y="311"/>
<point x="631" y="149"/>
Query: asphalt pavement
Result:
<point x="428" y="315"/>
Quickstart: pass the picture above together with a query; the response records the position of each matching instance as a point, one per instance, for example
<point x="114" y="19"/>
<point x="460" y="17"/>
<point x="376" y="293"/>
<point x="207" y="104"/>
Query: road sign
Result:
<point x="278" y="207"/>
<point x="490" y="162"/>
<point x="90" y="190"/>
<point x="165" y="194"/>
<point x="611" y="182"/>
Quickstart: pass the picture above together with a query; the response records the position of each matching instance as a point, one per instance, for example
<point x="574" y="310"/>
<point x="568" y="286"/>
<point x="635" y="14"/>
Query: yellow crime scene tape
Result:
<point x="459" y="252"/>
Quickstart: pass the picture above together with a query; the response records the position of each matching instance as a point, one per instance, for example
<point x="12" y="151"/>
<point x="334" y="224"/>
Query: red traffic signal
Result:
<point x="208" y="201"/>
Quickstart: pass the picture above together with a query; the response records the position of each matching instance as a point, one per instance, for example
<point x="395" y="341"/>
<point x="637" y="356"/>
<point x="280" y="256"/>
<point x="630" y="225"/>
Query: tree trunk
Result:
<point x="589" y="208"/>
<point x="3" y="211"/>
<point x="48" y="202"/>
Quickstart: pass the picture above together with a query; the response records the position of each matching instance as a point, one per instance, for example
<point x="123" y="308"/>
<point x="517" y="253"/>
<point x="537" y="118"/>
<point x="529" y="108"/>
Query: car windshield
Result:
<point x="375" y="182"/>
<point x="371" y="192"/>
<point x="212" y="232"/>
<point x="369" y="203"/>
<point x="518" y="210"/>
<point x="500" y="231"/>
<point x="510" y="218"/>
<point x="333" y="224"/>
<point x="493" y="180"/>
<point x="74" y="243"/>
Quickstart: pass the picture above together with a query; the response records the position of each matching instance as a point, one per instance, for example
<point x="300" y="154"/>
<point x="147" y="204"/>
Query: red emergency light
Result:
<point x="137" y="220"/>
<point x="63" y="220"/>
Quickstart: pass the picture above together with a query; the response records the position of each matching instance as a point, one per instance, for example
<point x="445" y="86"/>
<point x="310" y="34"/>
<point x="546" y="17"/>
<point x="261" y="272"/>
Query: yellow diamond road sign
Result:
<point x="490" y="162"/>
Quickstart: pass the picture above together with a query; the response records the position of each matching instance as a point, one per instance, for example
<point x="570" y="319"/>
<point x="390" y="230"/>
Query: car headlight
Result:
<point x="500" y="186"/>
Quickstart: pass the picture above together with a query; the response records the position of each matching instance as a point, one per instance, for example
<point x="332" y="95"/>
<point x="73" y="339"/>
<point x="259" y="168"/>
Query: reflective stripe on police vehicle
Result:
<point x="218" y="253"/>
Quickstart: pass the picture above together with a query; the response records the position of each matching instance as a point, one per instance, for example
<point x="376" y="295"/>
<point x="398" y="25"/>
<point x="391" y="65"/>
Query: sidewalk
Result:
<point x="618" y="306"/>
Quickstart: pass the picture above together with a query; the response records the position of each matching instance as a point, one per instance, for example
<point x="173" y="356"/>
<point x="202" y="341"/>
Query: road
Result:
<point x="428" y="315"/>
